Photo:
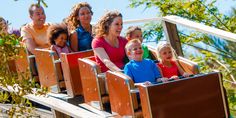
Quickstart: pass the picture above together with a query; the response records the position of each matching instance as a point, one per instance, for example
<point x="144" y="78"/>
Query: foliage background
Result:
<point x="13" y="89"/>
<point x="216" y="53"/>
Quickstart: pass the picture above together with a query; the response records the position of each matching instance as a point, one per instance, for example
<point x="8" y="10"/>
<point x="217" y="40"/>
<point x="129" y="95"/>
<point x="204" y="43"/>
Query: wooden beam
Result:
<point x="172" y="36"/>
<point x="142" y="20"/>
<point x="201" y="27"/>
<point x="62" y="106"/>
<point x="57" y="114"/>
<point x="59" y="107"/>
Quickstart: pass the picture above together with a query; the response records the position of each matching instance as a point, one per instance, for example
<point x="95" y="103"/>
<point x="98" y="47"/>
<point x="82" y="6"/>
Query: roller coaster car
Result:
<point x="200" y="96"/>
<point x="93" y="83"/>
<point x="60" y="74"/>
<point x="71" y="73"/>
<point x="49" y="70"/>
<point x="122" y="93"/>
<point x="25" y="65"/>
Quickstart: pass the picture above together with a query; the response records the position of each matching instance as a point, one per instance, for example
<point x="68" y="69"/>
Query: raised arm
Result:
<point x="102" y="55"/>
<point x="74" y="41"/>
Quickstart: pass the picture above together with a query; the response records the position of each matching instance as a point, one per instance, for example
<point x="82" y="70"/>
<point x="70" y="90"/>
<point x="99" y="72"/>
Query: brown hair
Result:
<point x="71" y="20"/>
<point x="103" y="25"/>
<point x="3" y="24"/>
<point x="129" y="44"/>
<point x="55" y="30"/>
<point x="31" y="10"/>
<point x="131" y="29"/>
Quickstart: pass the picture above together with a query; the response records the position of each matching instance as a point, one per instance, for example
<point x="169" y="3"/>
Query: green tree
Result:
<point x="222" y="53"/>
<point x="15" y="88"/>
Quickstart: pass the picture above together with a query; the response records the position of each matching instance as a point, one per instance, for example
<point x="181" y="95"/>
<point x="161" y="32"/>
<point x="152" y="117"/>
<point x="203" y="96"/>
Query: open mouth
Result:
<point x="118" y="32"/>
<point x="139" y="53"/>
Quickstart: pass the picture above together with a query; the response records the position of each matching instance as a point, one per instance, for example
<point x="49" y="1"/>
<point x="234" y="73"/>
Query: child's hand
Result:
<point x="186" y="74"/>
<point x="174" y="77"/>
<point x="164" y="79"/>
<point x="147" y="83"/>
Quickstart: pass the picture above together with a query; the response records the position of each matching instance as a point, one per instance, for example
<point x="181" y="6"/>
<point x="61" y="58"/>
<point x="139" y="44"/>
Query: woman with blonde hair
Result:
<point x="79" y="25"/>
<point x="109" y="46"/>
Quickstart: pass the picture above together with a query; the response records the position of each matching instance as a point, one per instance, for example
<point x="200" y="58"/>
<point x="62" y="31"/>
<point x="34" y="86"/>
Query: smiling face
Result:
<point x="137" y="34"/>
<point x="61" y="40"/>
<point x="135" y="52"/>
<point x="166" y="54"/>
<point x="84" y="15"/>
<point x="116" y="27"/>
<point x="38" y="16"/>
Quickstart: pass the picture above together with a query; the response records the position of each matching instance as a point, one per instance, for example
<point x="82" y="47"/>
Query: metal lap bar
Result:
<point x="101" y="75"/>
<point x="52" y="53"/>
<point x="31" y="56"/>
<point x="136" y="90"/>
<point x="57" y="61"/>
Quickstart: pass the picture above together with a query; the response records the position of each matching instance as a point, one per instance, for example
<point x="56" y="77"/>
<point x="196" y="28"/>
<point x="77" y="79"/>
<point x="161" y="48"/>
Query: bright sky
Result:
<point x="16" y="12"/>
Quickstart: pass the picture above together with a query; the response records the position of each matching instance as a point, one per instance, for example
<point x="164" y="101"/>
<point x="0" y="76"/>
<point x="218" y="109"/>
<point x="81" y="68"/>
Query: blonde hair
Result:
<point x="103" y="25"/>
<point x="163" y="45"/>
<point x="71" y="20"/>
<point x="130" y="30"/>
<point x="128" y="46"/>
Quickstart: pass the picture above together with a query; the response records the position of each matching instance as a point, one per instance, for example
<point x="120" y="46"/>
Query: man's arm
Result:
<point x="28" y="40"/>
<point x="30" y="45"/>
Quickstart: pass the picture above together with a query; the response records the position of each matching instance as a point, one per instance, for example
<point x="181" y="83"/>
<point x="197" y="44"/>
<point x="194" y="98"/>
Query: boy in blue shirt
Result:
<point x="139" y="69"/>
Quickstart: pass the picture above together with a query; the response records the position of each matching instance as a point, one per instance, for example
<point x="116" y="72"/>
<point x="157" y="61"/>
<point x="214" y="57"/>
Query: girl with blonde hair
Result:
<point x="169" y="67"/>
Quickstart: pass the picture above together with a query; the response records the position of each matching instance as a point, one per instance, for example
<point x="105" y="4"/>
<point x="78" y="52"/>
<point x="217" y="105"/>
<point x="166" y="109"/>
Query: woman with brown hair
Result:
<point x="3" y="26"/>
<point x="109" y="46"/>
<point x="79" y="26"/>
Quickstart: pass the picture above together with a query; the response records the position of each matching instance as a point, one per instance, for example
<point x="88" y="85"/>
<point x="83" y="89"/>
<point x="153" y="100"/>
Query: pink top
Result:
<point x="116" y="55"/>
<point x="169" y="71"/>
<point x="60" y="50"/>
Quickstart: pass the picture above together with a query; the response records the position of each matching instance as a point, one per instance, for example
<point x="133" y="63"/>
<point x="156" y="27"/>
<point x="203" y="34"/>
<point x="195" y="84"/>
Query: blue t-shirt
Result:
<point x="142" y="71"/>
<point x="84" y="39"/>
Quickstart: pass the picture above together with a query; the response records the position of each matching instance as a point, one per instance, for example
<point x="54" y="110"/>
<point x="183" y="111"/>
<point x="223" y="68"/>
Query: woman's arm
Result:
<point x="102" y="55"/>
<point x="74" y="41"/>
